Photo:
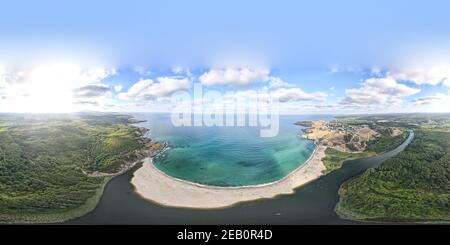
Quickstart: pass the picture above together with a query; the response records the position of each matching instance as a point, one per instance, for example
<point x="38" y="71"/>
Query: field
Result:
<point x="46" y="163"/>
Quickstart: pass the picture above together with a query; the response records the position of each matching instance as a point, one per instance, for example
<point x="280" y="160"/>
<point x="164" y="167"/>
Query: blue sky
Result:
<point x="331" y="56"/>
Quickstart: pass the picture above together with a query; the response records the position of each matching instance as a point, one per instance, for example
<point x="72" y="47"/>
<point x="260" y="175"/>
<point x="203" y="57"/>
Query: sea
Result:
<point x="229" y="156"/>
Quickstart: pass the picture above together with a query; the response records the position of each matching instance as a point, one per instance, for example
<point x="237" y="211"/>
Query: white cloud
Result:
<point x="283" y="95"/>
<point x="51" y="87"/>
<point x="277" y="82"/>
<point x="137" y="91"/>
<point x="423" y="75"/>
<point x="439" y="102"/>
<point x="61" y="75"/>
<point x="92" y="91"/>
<point x="296" y="94"/>
<point x="142" y="71"/>
<point x="376" y="71"/>
<point x="249" y="94"/>
<point x="429" y="99"/>
<point x="376" y="91"/>
<point x="12" y="76"/>
<point x="234" y="77"/>
<point x="118" y="88"/>
<point x="2" y="76"/>
<point x="433" y="99"/>
<point x="182" y="71"/>
<point x="177" y="70"/>
<point x="148" y="89"/>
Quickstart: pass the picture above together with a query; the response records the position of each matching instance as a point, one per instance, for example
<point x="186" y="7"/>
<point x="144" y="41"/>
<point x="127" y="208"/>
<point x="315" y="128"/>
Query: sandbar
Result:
<point x="156" y="186"/>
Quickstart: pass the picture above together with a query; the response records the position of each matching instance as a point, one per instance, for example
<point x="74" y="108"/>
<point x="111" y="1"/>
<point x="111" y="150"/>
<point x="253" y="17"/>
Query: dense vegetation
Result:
<point x="334" y="159"/>
<point x="413" y="186"/>
<point x="45" y="161"/>
<point x="385" y="142"/>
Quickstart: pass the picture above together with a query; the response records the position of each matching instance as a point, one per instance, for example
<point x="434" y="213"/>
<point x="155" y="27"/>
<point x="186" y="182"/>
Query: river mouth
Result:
<point x="313" y="203"/>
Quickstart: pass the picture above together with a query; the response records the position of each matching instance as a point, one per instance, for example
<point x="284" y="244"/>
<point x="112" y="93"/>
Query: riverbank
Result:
<point x="156" y="186"/>
<point x="56" y="217"/>
<point x="411" y="203"/>
<point x="55" y="167"/>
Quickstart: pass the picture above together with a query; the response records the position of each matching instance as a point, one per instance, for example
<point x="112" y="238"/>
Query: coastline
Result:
<point x="59" y="216"/>
<point x="154" y="185"/>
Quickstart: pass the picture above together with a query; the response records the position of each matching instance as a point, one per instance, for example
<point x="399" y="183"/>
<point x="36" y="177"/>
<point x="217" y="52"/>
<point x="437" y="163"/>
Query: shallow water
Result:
<point x="228" y="156"/>
<point x="310" y="204"/>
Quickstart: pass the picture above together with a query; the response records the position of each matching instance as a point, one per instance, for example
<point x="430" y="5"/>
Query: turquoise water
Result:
<point x="228" y="156"/>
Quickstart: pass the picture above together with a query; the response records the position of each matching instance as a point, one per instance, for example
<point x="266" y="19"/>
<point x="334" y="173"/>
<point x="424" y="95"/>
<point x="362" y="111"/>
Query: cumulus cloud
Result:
<point x="427" y="100"/>
<point x="55" y="75"/>
<point x="51" y="87"/>
<point x="14" y="76"/>
<point x="283" y="95"/>
<point x="376" y="71"/>
<point x="437" y="98"/>
<point x="148" y="89"/>
<point x="309" y="108"/>
<point x="277" y="82"/>
<point x="423" y="75"/>
<point x="249" y="94"/>
<point x="91" y="91"/>
<point x="118" y="88"/>
<point x="296" y="94"/>
<point x="234" y="77"/>
<point x="375" y="91"/>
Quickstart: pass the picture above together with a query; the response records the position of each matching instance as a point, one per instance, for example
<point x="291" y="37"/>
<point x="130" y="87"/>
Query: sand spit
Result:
<point x="156" y="186"/>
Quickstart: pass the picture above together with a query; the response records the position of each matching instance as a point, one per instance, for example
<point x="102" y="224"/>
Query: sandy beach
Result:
<point x="156" y="186"/>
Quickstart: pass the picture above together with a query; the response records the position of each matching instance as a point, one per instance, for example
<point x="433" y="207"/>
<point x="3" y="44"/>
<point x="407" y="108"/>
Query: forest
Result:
<point x="45" y="161"/>
<point x="412" y="186"/>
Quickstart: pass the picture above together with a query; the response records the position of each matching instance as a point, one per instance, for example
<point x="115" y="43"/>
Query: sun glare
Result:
<point x="49" y="88"/>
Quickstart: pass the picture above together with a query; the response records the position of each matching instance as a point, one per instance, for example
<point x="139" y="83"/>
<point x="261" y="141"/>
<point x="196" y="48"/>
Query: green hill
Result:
<point x="413" y="186"/>
<point x="45" y="161"/>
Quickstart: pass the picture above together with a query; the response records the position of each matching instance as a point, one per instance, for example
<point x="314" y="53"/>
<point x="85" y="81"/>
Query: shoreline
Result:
<point x="154" y="185"/>
<point x="60" y="216"/>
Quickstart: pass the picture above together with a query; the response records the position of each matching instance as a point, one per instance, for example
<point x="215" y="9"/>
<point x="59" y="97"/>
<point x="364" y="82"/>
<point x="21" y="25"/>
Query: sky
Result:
<point x="316" y="57"/>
